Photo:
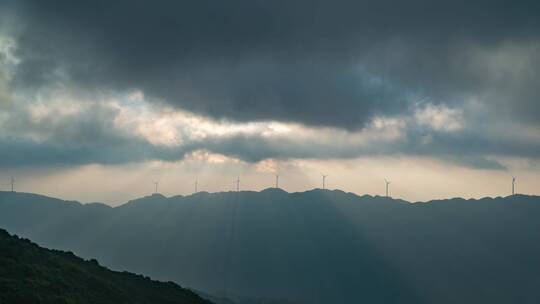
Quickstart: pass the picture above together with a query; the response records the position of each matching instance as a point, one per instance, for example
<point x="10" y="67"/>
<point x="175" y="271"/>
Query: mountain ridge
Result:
<point x="271" y="190"/>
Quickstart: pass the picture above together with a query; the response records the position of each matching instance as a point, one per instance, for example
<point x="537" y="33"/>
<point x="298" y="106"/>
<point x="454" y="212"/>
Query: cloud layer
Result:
<point x="258" y="80"/>
<point x="321" y="63"/>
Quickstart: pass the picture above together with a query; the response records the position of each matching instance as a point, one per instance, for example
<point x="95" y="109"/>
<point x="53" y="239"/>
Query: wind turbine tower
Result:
<point x="277" y="180"/>
<point x="196" y="185"/>
<point x="156" y="184"/>
<point x="237" y="184"/>
<point x="12" y="182"/>
<point x="324" y="181"/>
<point x="387" y="184"/>
<point x="513" y="185"/>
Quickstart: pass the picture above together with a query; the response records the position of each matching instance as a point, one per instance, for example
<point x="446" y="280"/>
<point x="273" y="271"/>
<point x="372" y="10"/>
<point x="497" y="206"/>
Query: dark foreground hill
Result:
<point x="311" y="247"/>
<point x="31" y="274"/>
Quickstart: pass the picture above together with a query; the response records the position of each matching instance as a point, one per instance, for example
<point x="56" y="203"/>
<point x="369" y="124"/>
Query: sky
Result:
<point x="99" y="99"/>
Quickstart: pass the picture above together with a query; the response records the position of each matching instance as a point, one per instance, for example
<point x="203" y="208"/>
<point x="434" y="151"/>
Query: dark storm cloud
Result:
<point x="119" y="149"/>
<point x="465" y="150"/>
<point x="89" y="134"/>
<point x="82" y="138"/>
<point x="28" y="153"/>
<point x="333" y="63"/>
<point x="323" y="63"/>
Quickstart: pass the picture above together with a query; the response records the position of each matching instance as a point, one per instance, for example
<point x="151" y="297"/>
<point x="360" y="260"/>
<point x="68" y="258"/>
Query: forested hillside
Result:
<point x="31" y="274"/>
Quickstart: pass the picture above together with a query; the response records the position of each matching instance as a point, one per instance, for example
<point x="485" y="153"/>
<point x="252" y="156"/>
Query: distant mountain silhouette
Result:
<point x="317" y="246"/>
<point x="30" y="274"/>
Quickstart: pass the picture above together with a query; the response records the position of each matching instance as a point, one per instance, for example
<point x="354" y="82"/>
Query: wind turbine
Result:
<point x="277" y="180"/>
<point x="513" y="185"/>
<point x="237" y="181"/>
<point x="324" y="180"/>
<point x="196" y="184"/>
<point x="156" y="184"/>
<point x="387" y="183"/>
<point x="12" y="182"/>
